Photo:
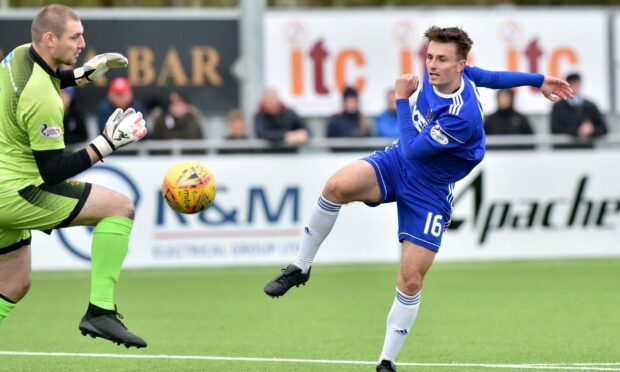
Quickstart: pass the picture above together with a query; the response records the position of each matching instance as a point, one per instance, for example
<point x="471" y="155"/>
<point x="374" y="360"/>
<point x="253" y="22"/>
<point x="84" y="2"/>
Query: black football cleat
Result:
<point x="386" y="366"/>
<point x="291" y="277"/>
<point x="98" y="322"/>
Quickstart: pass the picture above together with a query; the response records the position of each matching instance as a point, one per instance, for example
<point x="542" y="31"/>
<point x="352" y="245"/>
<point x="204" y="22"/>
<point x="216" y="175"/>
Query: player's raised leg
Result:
<point x="112" y="215"/>
<point x="415" y="263"/>
<point x="354" y="182"/>
<point x="15" y="271"/>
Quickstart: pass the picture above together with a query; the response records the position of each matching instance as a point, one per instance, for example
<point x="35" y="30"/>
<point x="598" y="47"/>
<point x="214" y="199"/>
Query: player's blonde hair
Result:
<point x="453" y="35"/>
<point x="51" y="18"/>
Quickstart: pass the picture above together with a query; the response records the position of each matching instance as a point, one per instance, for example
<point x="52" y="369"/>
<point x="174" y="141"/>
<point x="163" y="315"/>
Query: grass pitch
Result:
<point x="527" y="315"/>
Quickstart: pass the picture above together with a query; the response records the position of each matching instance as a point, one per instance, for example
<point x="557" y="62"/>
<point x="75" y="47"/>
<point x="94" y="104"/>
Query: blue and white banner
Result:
<point x="515" y="205"/>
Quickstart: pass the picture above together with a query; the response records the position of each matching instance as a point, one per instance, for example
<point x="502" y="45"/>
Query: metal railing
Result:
<point x="318" y="145"/>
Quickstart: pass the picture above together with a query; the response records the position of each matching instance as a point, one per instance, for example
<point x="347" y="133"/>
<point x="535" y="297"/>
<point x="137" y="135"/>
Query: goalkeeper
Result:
<point x="36" y="189"/>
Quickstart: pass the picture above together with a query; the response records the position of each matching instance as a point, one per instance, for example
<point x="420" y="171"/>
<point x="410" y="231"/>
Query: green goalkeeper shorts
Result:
<point x="40" y="207"/>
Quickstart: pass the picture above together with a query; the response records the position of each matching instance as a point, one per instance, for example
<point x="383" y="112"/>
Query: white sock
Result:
<point x="322" y="219"/>
<point x="399" y="321"/>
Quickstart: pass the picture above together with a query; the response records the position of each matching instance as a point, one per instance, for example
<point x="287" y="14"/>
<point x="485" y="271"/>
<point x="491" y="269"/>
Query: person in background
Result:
<point x="577" y="116"/>
<point x="349" y="122"/>
<point x="74" y="123"/>
<point x="235" y="124"/>
<point x="506" y="121"/>
<point x="279" y="124"/>
<point x="120" y="95"/>
<point x="386" y="124"/>
<point x="180" y="120"/>
<point x="236" y="130"/>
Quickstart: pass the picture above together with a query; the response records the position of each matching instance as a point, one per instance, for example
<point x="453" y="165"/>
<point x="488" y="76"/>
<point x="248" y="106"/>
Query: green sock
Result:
<point x="5" y="308"/>
<point x="110" y="242"/>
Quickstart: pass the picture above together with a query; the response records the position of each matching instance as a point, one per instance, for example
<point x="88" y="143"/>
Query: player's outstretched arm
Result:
<point x="121" y="129"/>
<point x="93" y="69"/>
<point x="555" y="89"/>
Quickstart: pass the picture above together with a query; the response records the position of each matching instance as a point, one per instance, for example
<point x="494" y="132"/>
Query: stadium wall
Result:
<point x="513" y="206"/>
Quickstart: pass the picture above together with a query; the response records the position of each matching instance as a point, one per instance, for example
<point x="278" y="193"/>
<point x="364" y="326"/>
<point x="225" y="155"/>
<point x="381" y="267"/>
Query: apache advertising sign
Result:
<point x="311" y="56"/>
<point x="564" y="204"/>
<point x="194" y="56"/>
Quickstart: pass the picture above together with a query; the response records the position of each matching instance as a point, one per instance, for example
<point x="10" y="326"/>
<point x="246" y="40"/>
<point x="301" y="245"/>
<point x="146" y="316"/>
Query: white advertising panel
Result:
<point x="616" y="57"/>
<point x="528" y="205"/>
<point x="310" y="56"/>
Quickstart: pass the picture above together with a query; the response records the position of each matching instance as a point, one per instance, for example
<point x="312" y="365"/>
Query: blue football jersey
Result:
<point x="453" y="125"/>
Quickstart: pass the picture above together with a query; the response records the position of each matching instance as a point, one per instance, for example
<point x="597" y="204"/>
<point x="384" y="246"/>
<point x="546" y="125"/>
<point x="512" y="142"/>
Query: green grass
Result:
<point x="482" y="312"/>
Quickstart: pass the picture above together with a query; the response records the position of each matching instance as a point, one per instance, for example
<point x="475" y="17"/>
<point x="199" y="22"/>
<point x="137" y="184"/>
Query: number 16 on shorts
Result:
<point x="434" y="224"/>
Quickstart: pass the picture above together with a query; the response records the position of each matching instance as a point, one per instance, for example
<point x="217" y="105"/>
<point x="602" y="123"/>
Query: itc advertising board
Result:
<point x="311" y="56"/>
<point x="512" y="206"/>
<point x="194" y="56"/>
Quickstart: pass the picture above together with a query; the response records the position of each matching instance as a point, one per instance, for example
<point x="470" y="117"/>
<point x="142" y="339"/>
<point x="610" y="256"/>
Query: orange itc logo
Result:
<point x="559" y="59"/>
<point x="317" y="55"/>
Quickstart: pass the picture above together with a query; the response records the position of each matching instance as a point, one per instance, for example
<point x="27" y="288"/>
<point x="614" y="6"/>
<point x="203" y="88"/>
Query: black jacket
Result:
<point x="346" y="124"/>
<point x="566" y="119"/>
<point x="507" y="121"/>
<point x="274" y="127"/>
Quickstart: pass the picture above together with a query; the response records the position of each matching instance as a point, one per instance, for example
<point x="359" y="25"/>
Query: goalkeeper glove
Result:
<point x="121" y="129"/>
<point x="97" y="66"/>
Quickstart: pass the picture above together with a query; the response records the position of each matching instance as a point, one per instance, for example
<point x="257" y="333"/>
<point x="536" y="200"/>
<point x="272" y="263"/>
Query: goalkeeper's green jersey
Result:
<point x="31" y="117"/>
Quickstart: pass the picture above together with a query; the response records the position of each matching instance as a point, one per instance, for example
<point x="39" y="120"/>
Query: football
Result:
<point x="189" y="187"/>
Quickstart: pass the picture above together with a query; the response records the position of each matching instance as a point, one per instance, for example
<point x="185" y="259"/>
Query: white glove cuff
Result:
<point x="102" y="146"/>
<point x="79" y="74"/>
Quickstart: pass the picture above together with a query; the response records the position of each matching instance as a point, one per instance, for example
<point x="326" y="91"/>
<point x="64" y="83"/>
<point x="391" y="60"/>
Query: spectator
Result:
<point x="506" y="121"/>
<point x="74" y="123"/>
<point x="279" y="124"/>
<point x="120" y="95"/>
<point x="235" y="123"/>
<point x="577" y="116"/>
<point x="180" y="120"/>
<point x="386" y="124"/>
<point x="349" y="122"/>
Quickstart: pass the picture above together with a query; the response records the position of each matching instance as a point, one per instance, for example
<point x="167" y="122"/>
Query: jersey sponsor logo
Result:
<point x="419" y="122"/>
<point x="50" y="131"/>
<point x="438" y="136"/>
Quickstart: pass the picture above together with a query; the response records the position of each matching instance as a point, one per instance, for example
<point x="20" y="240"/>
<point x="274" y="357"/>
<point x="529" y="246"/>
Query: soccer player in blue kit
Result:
<point x="440" y="142"/>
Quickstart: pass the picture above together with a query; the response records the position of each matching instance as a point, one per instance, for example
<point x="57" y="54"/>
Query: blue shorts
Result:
<point x="423" y="206"/>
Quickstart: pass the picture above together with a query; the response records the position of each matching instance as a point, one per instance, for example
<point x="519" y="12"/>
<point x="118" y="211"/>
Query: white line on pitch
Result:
<point x="563" y="366"/>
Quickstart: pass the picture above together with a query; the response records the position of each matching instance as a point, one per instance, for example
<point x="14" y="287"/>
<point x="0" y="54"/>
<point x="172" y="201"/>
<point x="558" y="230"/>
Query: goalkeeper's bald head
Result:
<point x="51" y="18"/>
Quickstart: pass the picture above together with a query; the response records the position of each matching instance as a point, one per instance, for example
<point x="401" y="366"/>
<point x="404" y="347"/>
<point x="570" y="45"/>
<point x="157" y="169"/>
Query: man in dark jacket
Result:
<point x="506" y="121"/>
<point x="348" y="123"/>
<point x="577" y="116"/>
<point x="279" y="124"/>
